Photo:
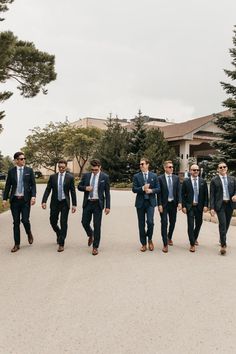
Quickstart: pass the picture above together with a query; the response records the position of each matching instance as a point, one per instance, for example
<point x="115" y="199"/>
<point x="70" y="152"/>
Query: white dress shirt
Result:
<point x="225" y="193"/>
<point x="58" y="179"/>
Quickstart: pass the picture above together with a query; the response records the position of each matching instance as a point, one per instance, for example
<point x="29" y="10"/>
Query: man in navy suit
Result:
<point x="145" y="185"/>
<point x="62" y="186"/>
<point x="169" y="199"/>
<point x="223" y="201"/>
<point x="194" y="203"/>
<point x="96" y="188"/>
<point x="20" y="184"/>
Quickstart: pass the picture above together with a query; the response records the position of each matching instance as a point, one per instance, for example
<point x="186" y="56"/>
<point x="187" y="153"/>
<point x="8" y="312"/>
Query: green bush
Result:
<point x="121" y="185"/>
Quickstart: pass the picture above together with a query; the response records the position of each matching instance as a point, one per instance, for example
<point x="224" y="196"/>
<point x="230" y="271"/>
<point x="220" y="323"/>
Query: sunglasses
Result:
<point x="222" y="167"/>
<point x="21" y="158"/>
<point x="142" y="163"/>
<point x="195" y="169"/>
<point x="170" y="166"/>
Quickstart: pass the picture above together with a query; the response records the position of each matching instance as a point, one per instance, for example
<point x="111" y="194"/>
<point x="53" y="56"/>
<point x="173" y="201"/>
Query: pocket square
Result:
<point x="102" y="181"/>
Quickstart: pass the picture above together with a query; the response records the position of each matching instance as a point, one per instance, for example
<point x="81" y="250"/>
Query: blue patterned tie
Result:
<point x="146" y="196"/>
<point x="92" y="185"/>
<point x="195" y="190"/>
<point x="170" y="188"/>
<point x="60" y="188"/>
<point x="226" y="187"/>
<point x="20" y="182"/>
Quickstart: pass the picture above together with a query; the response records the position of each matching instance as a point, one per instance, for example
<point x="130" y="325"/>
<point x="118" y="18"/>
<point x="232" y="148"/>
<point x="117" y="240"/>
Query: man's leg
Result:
<point x="97" y="219"/>
<point x="198" y="222"/>
<point x="25" y="212"/>
<point x="222" y="225"/>
<point x="54" y="215"/>
<point x="164" y="223"/>
<point x="172" y="211"/>
<point x="150" y="222"/>
<point x="15" y="210"/>
<point x="190" y="220"/>
<point x="63" y="222"/>
<point x="86" y="218"/>
<point x="141" y="225"/>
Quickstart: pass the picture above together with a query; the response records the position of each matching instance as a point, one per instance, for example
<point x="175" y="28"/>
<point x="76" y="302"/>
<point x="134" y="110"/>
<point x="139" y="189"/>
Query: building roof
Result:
<point x="179" y="130"/>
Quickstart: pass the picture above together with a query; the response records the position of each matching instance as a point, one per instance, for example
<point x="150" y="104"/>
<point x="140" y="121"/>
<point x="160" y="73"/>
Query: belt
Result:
<point x="19" y="196"/>
<point x="93" y="200"/>
<point x="194" y="204"/>
<point x="225" y="201"/>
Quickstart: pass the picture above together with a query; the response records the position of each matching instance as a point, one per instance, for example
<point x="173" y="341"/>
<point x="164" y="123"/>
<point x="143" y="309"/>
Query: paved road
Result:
<point x="121" y="301"/>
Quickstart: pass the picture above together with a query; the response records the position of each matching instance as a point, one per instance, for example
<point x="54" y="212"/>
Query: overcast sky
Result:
<point x="164" y="57"/>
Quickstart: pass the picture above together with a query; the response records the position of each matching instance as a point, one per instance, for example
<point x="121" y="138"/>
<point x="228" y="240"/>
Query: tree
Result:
<point x="81" y="144"/>
<point x="5" y="163"/>
<point x="226" y="145"/>
<point x="157" y="149"/>
<point x="45" y="146"/>
<point x="113" y="151"/>
<point x="23" y="62"/>
<point x="137" y="145"/>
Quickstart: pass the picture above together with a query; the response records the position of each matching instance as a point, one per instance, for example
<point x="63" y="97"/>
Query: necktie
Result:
<point x="146" y="196"/>
<point x="20" y="182"/>
<point x="195" y="190"/>
<point x="92" y="185"/>
<point x="226" y="187"/>
<point x="170" y="188"/>
<point x="60" y="186"/>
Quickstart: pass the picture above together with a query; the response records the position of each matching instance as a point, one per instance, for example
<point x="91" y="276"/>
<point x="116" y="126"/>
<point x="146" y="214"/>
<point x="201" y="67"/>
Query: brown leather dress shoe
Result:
<point x="192" y="249"/>
<point x="60" y="249"/>
<point x="143" y="248"/>
<point x="90" y="240"/>
<point x="30" y="238"/>
<point x="95" y="251"/>
<point x="15" y="248"/>
<point x="196" y="243"/>
<point x="223" y="250"/>
<point x="170" y="242"/>
<point x="165" y="249"/>
<point x="150" y="245"/>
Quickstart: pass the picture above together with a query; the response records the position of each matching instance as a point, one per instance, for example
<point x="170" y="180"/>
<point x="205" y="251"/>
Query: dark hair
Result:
<point x="95" y="162"/>
<point x="62" y="161"/>
<point x="145" y="159"/>
<point x="221" y="163"/>
<point x="17" y="154"/>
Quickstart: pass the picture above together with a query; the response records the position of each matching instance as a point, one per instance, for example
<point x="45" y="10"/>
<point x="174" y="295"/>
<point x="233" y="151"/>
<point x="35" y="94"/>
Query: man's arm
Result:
<point x="47" y="192"/>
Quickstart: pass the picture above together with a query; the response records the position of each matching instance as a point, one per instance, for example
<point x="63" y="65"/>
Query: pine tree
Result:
<point x="226" y="145"/>
<point x="113" y="151"/>
<point x="137" y="145"/>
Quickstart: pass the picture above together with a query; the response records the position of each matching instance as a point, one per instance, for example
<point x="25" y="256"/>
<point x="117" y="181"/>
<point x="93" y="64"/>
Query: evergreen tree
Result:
<point x="157" y="149"/>
<point x="23" y="62"/>
<point x="226" y="146"/>
<point x="137" y="145"/>
<point x="113" y="151"/>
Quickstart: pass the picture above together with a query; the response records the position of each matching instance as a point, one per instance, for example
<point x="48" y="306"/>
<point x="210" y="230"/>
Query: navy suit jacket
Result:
<point x="162" y="197"/>
<point x="68" y="188"/>
<point x="216" y="192"/>
<point x="188" y="194"/>
<point x="138" y="183"/>
<point x="104" y="195"/>
<point x="28" y="181"/>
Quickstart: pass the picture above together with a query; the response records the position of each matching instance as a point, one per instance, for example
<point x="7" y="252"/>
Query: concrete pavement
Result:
<point x="121" y="301"/>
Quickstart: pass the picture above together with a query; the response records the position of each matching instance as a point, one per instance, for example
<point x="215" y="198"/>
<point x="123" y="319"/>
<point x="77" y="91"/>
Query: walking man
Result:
<point x="62" y="186"/>
<point x="96" y="188"/>
<point x="223" y="201"/>
<point x="169" y="199"/>
<point x="145" y="185"/>
<point x="194" y="203"/>
<point x="21" y="187"/>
